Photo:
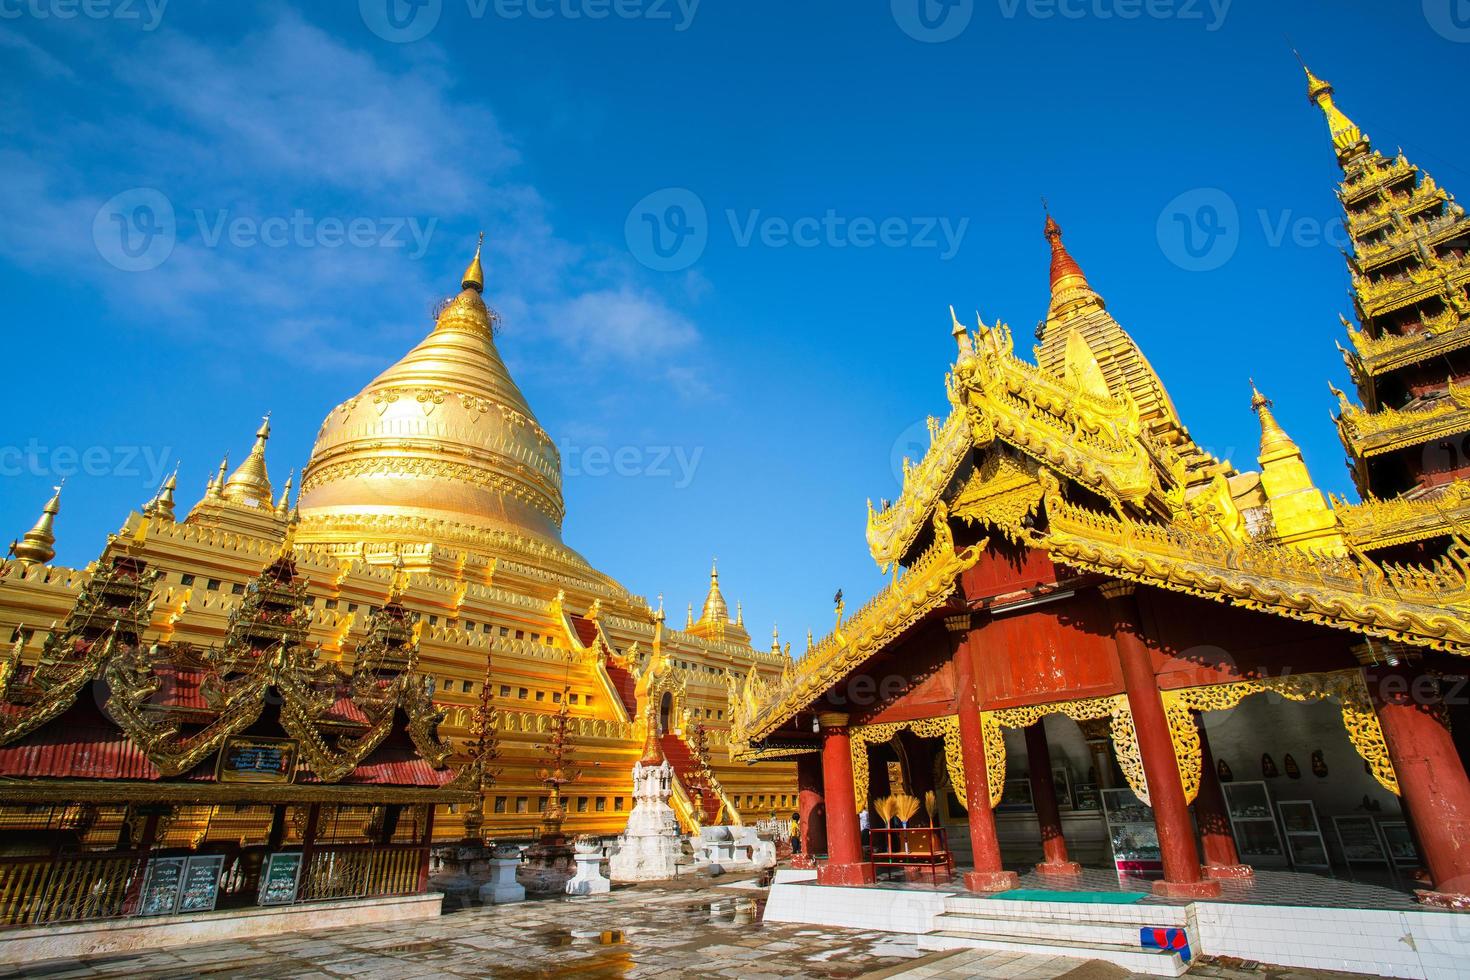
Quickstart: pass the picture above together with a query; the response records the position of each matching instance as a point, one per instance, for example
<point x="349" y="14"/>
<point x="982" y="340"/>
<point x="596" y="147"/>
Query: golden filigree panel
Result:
<point x="947" y="728"/>
<point x="1115" y="707"/>
<point x="1347" y="687"/>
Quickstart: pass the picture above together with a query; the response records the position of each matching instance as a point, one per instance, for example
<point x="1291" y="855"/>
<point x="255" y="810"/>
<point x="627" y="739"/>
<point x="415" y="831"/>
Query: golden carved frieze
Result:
<point x="1347" y="687"/>
<point x="1367" y="434"/>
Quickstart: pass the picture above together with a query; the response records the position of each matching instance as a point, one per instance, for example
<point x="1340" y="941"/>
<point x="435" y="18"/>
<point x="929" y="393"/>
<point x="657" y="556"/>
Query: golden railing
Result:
<point x="360" y="871"/>
<point x="41" y="890"/>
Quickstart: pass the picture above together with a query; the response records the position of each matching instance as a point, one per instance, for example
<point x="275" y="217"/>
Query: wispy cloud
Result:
<point x="249" y="131"/>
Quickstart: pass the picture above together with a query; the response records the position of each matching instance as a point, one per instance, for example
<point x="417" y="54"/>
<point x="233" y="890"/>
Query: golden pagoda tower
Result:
<point x="1408" y="359"/>
<point x="1300" y="515"/>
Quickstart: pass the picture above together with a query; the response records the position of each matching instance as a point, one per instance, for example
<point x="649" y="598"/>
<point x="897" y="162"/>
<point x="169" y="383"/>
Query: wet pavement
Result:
<point x="690" y="928"/>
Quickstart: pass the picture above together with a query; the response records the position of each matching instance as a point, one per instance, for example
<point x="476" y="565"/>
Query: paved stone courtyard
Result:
<point x="692" y="928"/>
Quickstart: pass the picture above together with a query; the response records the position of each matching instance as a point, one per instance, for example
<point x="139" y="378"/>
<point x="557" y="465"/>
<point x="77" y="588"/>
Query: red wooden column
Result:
<point x="1222" y="860"/>
<point x="1183" y="877"/>
<point x="426" y="845"/>
<point x="990" y="874"/>
<point x="844" y="864"/>
<point x="1431" y="776"/>
<point x="1044" y="798"/>
<point x="812" y="810"/>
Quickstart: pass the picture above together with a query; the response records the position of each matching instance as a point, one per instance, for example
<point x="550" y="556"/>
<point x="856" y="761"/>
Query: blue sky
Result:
<point x="826" y="178"/>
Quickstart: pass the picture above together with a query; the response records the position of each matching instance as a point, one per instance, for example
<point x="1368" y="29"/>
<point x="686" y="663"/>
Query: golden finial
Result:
<point x="739" y="613"/>
<point x="1273" y="436"/>
<point x="283" y="509"/>
<point x="689" y="617"/>
<point x="163" y="504"/>
<point x="658" y="615"/>
<point x="1347" y="139"/>
<point x="250" y="484"/>
<point x="37" y="546"/>
<point x="775" y="638"/>
<point x="1069" y="284"/>
<point x="474" y="273"/>
<point x="217" y="485"/>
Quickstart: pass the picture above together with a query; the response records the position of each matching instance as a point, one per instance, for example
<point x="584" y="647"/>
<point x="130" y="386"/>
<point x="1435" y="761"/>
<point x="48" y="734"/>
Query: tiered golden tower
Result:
<point x="1409" y="358"/>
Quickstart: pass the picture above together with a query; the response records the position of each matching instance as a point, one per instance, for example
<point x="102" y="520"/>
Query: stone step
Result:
<point x="1157" y="963"/>
<point x="1041" y="930"/>
<point x="1062" y="912"/>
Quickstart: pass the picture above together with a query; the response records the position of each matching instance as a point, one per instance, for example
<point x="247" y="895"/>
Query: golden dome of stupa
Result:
<point x="440" y="448"/>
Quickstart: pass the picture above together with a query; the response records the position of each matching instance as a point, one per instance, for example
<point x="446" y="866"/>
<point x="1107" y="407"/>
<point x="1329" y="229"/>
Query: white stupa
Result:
<point x="649" y="846"/>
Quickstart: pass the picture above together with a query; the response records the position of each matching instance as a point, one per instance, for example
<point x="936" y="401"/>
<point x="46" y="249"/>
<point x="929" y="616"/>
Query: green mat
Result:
<point x="1082" y="898"/>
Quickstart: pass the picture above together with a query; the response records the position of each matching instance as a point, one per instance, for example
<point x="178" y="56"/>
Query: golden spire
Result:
<point x="1273" y="436"/>
<point x="653" y="753"/>
<point x="739" y="613"/>
<point x="216" y="486"/>
<point x="775" y="638"/>
<point x="249" y="484"/>
<point x="689" y="617"/>
<point x="162" y="504"/>
<point x="1069" y="287"/>
<point x="716" y="610"/>
<point x="474" y="273"/>
<point x="1300" y="515"/>
<point x="37" y="546"/>
<point x="283" y="509"/>
<point x="1347" y="139"/>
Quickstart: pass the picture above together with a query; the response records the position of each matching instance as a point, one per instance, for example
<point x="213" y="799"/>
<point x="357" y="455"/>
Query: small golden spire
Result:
<point x="217" y="485"/>
<point x="37" y="546"/>
<point x="775" y="638"/>
<point x="1273" y="436"/>
<point x="1347" y="138"/>
<point x="689" y="617"/>
<point x="653" y="753"/>
<point x="474" y="273"/>
<point x="739" y="613"/>
<point x="1068" y="282"/>
<point x="250" y="484"/>
<point x="716" y="610"/>
<point x="162" y="504"/>
<point x="283" y="509"/>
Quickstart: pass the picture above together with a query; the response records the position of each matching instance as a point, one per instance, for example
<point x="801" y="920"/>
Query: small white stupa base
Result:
<point x="589" y="879"/>
<point x="502" y="888"/>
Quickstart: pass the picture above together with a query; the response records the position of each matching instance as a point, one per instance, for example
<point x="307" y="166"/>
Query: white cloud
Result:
<point x="290" y="117"/>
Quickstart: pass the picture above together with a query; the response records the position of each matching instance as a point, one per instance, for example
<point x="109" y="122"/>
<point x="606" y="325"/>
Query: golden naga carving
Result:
<point x="928" y="584"/>
<point x="947" y="728"/>
<point x="1125" y="739"/>
<point x="1347" y="687"/>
